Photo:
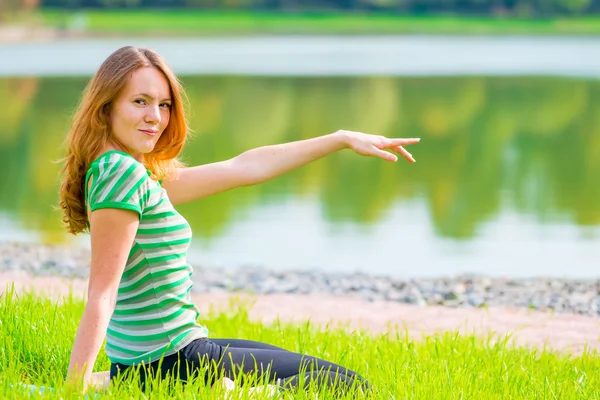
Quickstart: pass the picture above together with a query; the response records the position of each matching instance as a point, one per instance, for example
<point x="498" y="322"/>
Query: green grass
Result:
<point x="36" y="336"/>
<point x="195" y="22"/>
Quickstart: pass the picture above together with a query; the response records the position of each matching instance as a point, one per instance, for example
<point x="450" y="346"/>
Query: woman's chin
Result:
<point x="145" y="148"/>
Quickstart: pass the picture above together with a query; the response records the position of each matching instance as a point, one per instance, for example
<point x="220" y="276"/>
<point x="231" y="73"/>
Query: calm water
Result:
<point x="396" y="55"/>
<point x="506" y="179"/>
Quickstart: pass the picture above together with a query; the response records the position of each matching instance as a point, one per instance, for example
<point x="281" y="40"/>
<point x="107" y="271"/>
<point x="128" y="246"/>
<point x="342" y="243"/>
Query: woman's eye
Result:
<point x="140" y="101"/>
<point x="166" y="105"/>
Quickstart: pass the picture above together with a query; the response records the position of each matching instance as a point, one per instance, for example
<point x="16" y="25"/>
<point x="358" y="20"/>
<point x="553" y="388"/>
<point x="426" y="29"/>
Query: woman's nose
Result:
<point x="153" y="114"/>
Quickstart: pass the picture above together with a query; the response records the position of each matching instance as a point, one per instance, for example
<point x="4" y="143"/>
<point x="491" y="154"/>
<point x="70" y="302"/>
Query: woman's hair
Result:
<point x="91" y="131"/>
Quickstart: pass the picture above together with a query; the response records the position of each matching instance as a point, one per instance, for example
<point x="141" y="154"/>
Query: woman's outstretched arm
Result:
<point x="112" y="233"/>
<point x="264" y="163"/>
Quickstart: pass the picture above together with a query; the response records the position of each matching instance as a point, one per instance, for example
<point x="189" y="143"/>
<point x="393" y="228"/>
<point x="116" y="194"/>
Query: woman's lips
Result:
<point x="148" y="132"/>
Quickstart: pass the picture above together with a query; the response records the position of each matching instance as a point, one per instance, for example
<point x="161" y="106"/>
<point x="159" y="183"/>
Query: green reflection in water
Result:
<point x="488" y="144"/>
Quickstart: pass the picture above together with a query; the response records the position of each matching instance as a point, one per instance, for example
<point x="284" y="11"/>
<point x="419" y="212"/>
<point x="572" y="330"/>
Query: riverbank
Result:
<point x="568" y="296"/>
<point x="565" y="333"/>
<point x="482" y="306"/>
<point x="168" y="23"/>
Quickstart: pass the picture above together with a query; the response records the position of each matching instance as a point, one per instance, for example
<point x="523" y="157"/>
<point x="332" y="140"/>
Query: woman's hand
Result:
<point x="97" y="382"/>
<point x="374" y="145"/>
<point x="100" y="381"/>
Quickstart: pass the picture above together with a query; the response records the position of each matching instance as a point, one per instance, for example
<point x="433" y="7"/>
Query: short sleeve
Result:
<point x="118" y="181"/>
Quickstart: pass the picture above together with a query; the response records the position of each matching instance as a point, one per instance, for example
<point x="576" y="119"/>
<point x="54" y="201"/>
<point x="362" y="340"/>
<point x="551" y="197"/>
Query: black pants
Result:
<point x="238" y="359"/>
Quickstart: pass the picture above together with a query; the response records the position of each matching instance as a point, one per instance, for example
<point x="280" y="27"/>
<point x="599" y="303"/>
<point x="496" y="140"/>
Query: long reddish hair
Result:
<point x="91" y="132"/>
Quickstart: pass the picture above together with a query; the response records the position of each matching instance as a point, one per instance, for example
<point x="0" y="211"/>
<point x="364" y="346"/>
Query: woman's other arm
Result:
<point x="264" y="163"/>
<point x="112" y="233"/>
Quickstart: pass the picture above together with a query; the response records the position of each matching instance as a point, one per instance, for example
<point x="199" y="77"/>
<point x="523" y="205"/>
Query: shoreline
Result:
<point x="563" y="334"/>
<point x="20" y="34"/>
<point x="543" y="294"/>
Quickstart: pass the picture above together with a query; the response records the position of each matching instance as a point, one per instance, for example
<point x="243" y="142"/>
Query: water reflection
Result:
<point x="525" y="146"/>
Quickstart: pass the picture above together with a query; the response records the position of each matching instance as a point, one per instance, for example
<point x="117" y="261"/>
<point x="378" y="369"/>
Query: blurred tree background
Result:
<point x="499" y="8"/>
<point x="467" y="7"/>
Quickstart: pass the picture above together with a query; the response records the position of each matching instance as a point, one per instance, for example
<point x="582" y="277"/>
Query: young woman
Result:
<point x="121" y="181"/>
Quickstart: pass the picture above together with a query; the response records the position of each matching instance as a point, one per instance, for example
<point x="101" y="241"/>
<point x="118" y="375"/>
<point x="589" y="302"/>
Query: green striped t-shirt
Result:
<point x="154" y="314"/>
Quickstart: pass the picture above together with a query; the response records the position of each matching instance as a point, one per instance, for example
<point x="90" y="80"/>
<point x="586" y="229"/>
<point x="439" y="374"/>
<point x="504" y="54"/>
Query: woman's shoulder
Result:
<point x="117" y="162"/>
<point x="117" y="177"/>
<point x="118" y="170"/>
<point x="115" y="157"/>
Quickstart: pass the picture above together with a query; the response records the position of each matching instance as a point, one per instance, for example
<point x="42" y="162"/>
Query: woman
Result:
<point x="121" y="181"/>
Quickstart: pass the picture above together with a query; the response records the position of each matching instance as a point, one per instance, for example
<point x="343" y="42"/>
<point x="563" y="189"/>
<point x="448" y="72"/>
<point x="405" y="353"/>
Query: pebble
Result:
<point x="542" y="293"/>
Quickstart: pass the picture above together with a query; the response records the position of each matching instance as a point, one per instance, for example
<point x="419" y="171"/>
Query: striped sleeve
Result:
<point x="119" y="182"/>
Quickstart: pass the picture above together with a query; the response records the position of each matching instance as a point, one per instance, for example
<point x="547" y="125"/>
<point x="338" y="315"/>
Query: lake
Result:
<point x="505" y="183"/>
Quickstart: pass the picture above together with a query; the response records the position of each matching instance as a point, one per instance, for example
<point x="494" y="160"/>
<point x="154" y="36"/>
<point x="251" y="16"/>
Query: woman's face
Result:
<point x="141" y="112"/>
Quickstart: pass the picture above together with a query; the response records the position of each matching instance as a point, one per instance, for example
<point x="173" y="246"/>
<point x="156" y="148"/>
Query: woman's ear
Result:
<point x="106" y="112"/>
<point x="106" y="115"/>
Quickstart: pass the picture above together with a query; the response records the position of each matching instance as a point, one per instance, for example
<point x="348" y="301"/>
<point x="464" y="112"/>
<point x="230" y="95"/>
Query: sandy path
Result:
<point x="563" y="332"/>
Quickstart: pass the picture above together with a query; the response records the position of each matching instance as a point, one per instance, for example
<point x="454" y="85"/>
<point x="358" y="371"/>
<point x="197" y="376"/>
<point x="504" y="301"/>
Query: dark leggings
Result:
<point x="238" y="359"/>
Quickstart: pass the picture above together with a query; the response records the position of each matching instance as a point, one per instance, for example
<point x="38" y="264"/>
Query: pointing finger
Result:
<point x="402" y="142"/>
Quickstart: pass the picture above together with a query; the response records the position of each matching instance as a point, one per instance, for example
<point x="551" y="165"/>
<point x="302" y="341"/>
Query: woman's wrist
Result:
<point x="343" y="137"/>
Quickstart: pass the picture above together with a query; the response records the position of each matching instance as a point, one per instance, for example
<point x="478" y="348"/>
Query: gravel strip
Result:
<point x="463" y="291"/>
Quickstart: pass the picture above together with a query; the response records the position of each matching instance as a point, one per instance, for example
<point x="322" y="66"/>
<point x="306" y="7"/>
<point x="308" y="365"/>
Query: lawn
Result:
<point x="197" y="22"/>
<point x="36" y="335"/>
